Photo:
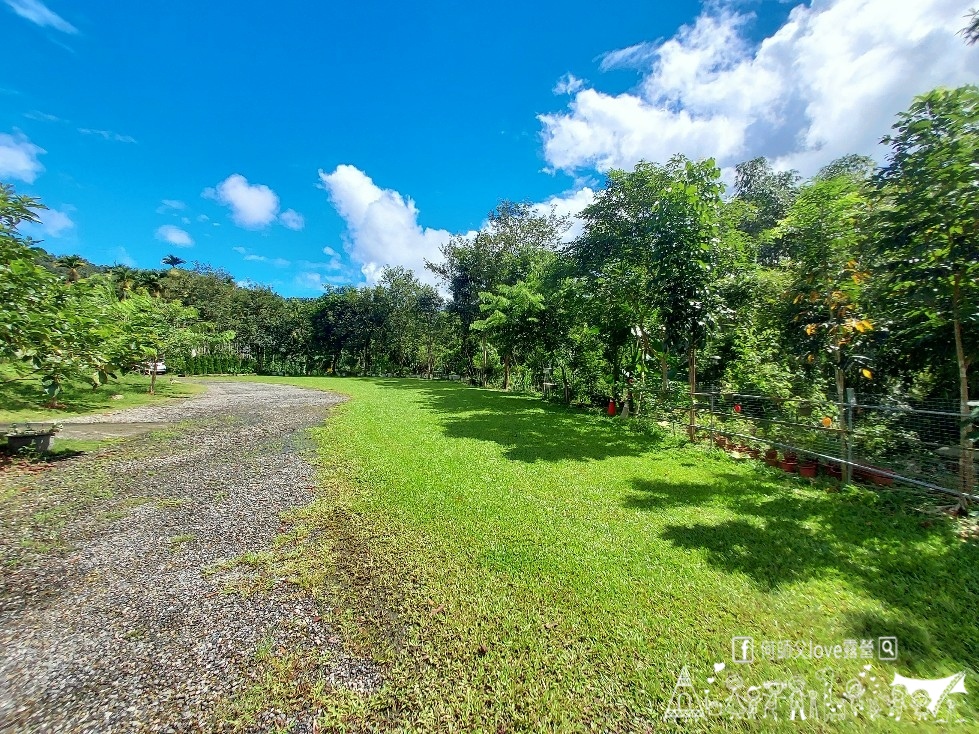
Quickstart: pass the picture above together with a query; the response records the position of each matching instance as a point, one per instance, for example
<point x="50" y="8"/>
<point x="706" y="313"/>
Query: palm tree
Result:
<point x="971" y="31"/>
<point x="124" y="278"/>
<point x="173" y="261"/>
<point x="149" y="280"/>
<point x="73" y="264"/>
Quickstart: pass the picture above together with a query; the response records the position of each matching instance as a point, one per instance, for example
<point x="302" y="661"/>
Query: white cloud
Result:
<point x="248" y="255"/>
<point x="568" y="84"/>
<point x="382" y="225"/>
<point x="18" y="158"/>
<point x="122" y="257"/>
<point x="38" y="13"/>
<point x="56" y="223"/>
<point x="253" y="206"/>
<point x="291" y="219"/>
<point x="827" y="83"/>
<point x="631" y="57"/>
<point x="107" y="135"/>
<point x="310" y="281"/>
<point x="170" y="205"/>
<point x="569" y="204"/>
<point x="41" y="116"/>
<point x="174" y="235"/>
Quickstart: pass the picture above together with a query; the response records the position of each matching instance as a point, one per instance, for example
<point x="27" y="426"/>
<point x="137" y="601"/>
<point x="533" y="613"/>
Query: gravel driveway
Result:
<point x="123" y="629"/>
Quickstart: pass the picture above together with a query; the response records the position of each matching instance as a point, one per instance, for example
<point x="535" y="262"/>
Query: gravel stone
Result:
<point x="127" y="630"/>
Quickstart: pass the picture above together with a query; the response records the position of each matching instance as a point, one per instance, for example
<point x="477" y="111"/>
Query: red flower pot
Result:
<point x="808" y="469"/>
<point x="788" y="466"/>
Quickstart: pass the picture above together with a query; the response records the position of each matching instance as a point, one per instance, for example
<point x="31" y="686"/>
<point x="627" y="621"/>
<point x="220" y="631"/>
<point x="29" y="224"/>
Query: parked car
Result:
<point x="150" y="367"/>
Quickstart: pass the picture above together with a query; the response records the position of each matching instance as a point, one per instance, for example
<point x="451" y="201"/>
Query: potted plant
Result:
<point x="20" y="436"/>
<point x="833" y="470"/>
<point x="771" y="457"/>
<point x="790" y="462"/>
<point x="753" y="452"/>
<point x="808" y="468"/>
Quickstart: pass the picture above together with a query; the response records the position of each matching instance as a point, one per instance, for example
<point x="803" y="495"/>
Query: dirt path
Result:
<point x="120" y="627"/>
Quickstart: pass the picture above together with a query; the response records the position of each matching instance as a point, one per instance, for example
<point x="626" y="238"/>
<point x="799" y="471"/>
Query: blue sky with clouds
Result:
<point x="297" y="144"/>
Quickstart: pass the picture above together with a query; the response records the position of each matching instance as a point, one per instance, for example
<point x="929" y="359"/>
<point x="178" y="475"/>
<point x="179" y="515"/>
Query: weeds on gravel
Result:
<point x="516" y="566"/>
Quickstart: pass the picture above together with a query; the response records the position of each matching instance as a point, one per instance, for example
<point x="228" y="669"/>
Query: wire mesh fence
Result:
<point x="912" y="443"/>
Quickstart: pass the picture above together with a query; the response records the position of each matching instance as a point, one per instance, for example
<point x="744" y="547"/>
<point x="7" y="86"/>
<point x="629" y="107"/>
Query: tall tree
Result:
<point x="173" y="261"/>
<point x="927" y="224"/>
<point x="73" y="264"/>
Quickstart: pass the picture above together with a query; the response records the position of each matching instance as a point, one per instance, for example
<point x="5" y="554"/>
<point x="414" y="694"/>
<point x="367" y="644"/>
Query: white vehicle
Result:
<point x="159" y="368"/>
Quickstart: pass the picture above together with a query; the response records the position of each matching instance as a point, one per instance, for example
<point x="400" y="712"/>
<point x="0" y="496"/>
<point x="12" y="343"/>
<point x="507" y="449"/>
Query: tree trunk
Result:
<point x="506" y="373"/>
<point x="664" y="366"/>
<point x="692" y="381"/>
<point x="153" y="379"/>
<point x="567" y="389"/>
<point x="966" y="466"/>
<point x="485" y="363"/>
<point x="840" y="400"/>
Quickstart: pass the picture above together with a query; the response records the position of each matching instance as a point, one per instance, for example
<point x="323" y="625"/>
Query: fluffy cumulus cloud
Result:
<point x="174" y="236"/>
<point x="40" y="14"/>
<point x="253" y="206"/>
<point x="18" y="158"/>
<point x="827" y="83"/>
<point x="56" y="223"/>
<point x="291" y="219"/>
<point x="382" y="225"/>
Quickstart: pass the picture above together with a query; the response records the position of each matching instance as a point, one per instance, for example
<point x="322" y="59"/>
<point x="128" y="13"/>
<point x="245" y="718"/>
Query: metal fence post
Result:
<point x="851" y="400"/>
<point x="711" y="429"/>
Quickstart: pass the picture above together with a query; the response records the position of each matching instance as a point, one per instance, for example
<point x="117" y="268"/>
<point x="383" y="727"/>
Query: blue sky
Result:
<point x="297" y="144"/>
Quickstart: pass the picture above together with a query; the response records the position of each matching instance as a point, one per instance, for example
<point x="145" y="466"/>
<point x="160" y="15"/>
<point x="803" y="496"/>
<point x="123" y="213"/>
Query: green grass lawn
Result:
<point x="23" y="400"/>
<point x="517" y="566"/>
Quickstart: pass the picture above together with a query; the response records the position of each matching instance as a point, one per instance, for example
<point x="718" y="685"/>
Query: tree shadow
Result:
<point x="878" y="542"/>
<point x="528" y="429"/>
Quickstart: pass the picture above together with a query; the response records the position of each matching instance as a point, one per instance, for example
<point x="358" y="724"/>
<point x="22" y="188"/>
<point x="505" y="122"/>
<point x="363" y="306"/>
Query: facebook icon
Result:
<point x="742" y="649"/>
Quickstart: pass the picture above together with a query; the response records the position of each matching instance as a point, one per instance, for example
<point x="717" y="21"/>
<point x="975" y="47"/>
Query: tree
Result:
<point x="155" y="328"/>
<point x="770" y="194"/>
<point x="124" y="278"/>
<point x="649" y="247"/>
<point x="511" y="318"/>
<point x="826" y="319"/>
<point x="971" y="31"/>
<point x="173" y="261"/>
<point x="927" y="225"/>
<point x="73" y="264"/>
<point x="513" y="243"/>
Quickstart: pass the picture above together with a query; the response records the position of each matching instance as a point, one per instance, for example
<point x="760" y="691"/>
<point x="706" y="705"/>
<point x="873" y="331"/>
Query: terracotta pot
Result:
<point x="754" y="453"/>
<point x="880" y="480"/>
<point x="788" y="466"/>
<point x="833" y="470"/>
<point x="771" y="457"/>
<point x="808" y="469"/>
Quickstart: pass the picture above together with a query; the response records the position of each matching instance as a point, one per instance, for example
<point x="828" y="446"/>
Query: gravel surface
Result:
<point x="126" y="630"/>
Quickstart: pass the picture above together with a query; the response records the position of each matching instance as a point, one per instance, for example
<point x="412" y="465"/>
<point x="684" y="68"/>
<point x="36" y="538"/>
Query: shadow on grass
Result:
<point x="528" y="429"/>
<point x="877" y="542"/>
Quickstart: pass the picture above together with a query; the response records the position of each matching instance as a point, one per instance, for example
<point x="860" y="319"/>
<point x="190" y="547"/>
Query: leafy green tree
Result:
<point x="74" y="265"/>
<point x="510" y="322"/>
<point x="155" y="328"/>
<point x="173" y="261"/>
<point x="927" y="229"/>
<point x="516" y="238"/>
